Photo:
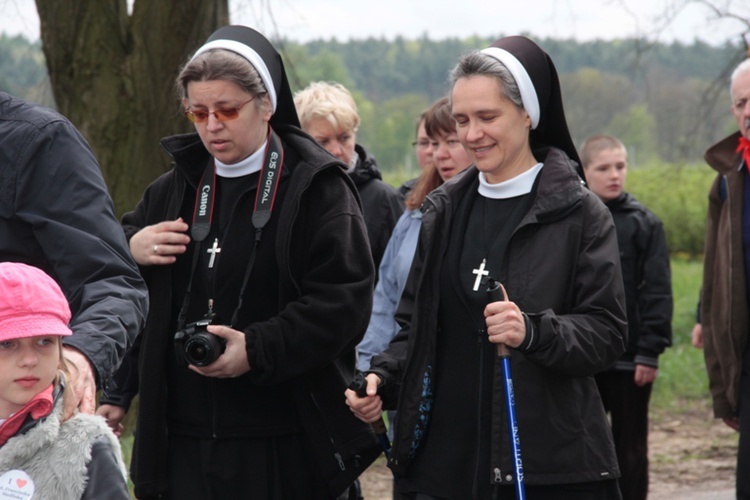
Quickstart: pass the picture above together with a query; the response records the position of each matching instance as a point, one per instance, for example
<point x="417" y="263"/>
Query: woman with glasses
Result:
<point x="423" y="147"/>
<point x="260" y="279"/>
<point x="522" y="216"/>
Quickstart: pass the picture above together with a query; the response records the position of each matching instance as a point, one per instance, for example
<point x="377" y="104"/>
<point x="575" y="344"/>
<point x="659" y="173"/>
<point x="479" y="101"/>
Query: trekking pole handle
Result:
<point x="496" y="293"/>
<point x="359" y="386"/>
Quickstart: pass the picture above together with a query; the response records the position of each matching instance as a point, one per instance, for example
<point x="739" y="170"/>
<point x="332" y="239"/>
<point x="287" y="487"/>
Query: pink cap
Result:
<point x="31" y="303"/>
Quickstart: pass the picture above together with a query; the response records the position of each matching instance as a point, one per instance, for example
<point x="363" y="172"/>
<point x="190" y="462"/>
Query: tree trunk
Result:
<point x="112" y="75"/>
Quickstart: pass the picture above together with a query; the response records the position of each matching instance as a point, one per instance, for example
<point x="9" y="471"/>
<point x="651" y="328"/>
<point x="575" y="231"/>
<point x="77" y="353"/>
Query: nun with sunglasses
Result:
<point x="521" y="216"/>
<point x="260" y="278"/>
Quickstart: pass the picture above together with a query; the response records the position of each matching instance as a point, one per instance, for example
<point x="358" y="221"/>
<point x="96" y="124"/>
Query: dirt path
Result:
<point x="692" y="457"/>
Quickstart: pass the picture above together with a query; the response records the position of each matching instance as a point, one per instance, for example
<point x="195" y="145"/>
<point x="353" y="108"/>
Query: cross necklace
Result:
<point x="480" y="272"/>
<point x="213" y="251"/>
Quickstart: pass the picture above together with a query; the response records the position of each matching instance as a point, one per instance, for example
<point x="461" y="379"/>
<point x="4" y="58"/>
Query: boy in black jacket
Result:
<point x="626" y="387"/>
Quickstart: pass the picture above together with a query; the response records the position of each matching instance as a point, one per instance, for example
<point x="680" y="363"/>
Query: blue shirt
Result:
<point x="393" y="272"/>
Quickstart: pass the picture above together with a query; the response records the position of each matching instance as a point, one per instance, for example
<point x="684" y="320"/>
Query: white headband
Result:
<point x="249" y="54"/>
<point x="525" y="85"/>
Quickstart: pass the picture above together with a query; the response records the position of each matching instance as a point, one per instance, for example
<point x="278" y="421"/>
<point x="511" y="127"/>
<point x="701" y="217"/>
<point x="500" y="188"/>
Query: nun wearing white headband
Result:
<point x="258" y="231"/>
<point x="521" y="216"/>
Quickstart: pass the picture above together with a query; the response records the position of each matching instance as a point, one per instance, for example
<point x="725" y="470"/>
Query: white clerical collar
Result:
<point x="250" y="165"/>
<point x="517" y="186"/>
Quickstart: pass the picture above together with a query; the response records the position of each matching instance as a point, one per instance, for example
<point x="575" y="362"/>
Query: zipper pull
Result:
<point x="340" y="460"/>
<point x="498" y="475"/>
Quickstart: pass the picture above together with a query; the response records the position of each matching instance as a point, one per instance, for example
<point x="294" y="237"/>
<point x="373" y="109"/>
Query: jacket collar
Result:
<point x="625" y="201"/>
<point x="723" y="156"/>
<point x="366" y="168"/>
<point x="560" y="188"/>
<point x="57" y="394"/>
<point x="188" y="155"/>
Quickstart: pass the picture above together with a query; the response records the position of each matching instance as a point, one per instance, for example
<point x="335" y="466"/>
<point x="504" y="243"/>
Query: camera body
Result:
<point x="195" y="345"/>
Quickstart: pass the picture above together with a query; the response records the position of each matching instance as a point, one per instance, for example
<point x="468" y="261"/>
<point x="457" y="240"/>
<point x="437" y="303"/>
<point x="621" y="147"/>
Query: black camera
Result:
<point x="195" y="345"/>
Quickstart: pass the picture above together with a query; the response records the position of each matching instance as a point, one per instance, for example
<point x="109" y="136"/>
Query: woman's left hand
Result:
<point x="505" y="322"/>
<point x="233" y="362"/>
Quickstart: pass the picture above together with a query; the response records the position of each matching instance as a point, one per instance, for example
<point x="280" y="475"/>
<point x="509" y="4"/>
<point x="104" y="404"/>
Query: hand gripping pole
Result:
<point x="495" y="293"/>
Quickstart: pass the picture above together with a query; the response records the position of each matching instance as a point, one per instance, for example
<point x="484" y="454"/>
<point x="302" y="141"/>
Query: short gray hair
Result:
<point x="477" y="64"/>
<point x="741" y="69"/>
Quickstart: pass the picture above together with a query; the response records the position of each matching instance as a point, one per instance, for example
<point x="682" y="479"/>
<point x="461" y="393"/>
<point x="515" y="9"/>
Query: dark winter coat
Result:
<point x="724" y="309"/>
<point x="562" y="269"/>
<point x="644" y="258"/>
<point x="56" y="214"/>
<point x="382" y="204"/>
<point x="324" y="298"/>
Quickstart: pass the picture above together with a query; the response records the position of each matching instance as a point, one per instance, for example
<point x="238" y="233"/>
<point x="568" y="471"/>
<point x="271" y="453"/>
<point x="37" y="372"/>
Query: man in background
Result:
<point x="725" y="301"/>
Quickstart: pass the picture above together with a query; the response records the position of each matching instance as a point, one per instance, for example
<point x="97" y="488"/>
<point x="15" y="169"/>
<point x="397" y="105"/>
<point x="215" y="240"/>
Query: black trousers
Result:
<point x="269" y="468"/>
<point x="627" y="405"/>
<point x="600" y="490"/>
<point x="743" y="450"/>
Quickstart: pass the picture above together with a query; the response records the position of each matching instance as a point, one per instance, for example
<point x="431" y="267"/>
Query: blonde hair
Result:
<point x="328" y="100"/>
<point x="598" y="143"/>
<point x="66" y="374"/>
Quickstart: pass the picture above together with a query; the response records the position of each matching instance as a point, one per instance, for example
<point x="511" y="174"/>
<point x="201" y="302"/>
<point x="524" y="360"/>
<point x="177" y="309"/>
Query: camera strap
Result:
<point x="265" y="196"/>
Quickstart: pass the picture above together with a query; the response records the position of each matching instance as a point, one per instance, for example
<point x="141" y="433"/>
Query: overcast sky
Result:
<point x="303" y="20"/>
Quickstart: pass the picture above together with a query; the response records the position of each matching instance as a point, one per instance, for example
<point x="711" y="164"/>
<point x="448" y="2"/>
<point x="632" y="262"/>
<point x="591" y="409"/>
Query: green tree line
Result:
<point x="667" y="102"/>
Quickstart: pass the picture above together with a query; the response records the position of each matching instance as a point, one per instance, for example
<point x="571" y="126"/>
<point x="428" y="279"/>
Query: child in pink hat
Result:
<point x="40" y="455"/>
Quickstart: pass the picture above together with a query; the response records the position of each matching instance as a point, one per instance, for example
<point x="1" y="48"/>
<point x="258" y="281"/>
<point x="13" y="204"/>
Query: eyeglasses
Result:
<point x="423" y="144"/>
<point x="222" y="114"/>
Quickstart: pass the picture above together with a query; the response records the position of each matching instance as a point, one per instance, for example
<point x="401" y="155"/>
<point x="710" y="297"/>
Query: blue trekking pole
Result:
<point x="495" y="293"/>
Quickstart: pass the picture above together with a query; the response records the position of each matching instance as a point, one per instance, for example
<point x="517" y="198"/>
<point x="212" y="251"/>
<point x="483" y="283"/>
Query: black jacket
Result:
<point x="644" y="258"/>
<point x="562" y="269"/>
<point x="56" y="214"/>
<point x="325" y="286"/>
<point x="382" y="204"/>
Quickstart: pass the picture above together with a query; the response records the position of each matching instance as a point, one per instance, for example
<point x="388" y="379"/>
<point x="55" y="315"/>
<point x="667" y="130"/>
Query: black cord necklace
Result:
<point x="516" y="208"/>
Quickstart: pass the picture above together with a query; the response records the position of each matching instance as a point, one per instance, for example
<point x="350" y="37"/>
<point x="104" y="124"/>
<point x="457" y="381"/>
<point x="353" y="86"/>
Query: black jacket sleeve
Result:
<point x="62" y="197"/>
<point x="105" y="479"/>
<point x="124" y="383"/>
<point x="654" y="295"/>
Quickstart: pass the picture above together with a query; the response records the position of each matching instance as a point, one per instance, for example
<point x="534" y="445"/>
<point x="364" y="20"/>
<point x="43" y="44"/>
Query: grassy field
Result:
<point x="682" y="373"/>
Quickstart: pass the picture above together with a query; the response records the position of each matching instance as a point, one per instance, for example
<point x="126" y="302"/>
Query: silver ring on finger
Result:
<point x="156" y="248"/>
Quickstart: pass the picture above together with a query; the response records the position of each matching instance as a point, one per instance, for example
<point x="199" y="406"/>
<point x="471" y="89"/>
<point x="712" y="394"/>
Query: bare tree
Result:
<point x="112" y="74"/>
<point x="702" y="123"/>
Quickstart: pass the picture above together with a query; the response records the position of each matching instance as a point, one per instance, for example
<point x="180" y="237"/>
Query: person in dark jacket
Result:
<point x="522" y="216"/>
<point x="43" y="455"/>
<point x="56" y="214"/>
<point x="724" y="327"/>
<point x="328" y="113"/>
<point x="626" y="386"/>
<point x="257" y="235"/>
